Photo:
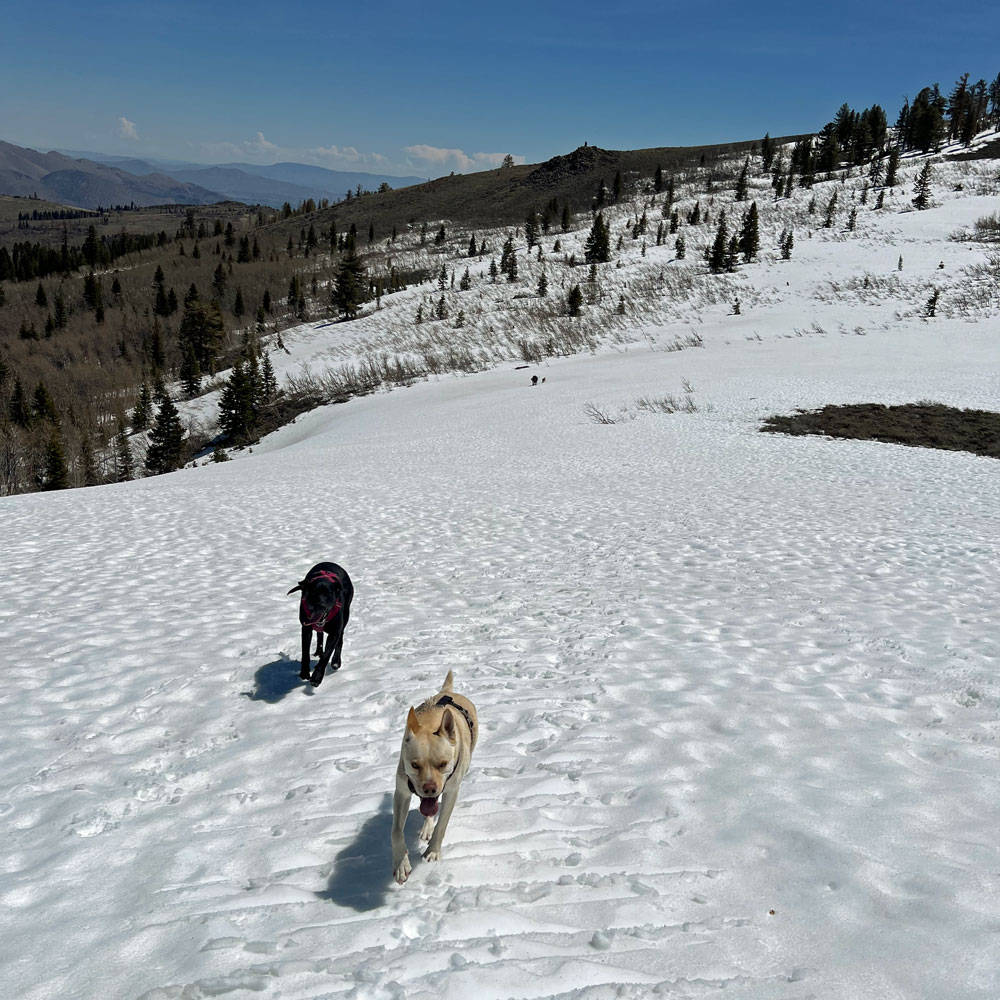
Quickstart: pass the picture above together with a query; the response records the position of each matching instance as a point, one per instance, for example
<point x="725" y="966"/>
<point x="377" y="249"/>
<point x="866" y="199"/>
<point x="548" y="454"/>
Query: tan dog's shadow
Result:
<point x="362" y="871"/>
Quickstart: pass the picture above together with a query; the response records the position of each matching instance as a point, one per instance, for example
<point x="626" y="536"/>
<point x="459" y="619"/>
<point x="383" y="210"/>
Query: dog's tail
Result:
<point x="449" y="683"/>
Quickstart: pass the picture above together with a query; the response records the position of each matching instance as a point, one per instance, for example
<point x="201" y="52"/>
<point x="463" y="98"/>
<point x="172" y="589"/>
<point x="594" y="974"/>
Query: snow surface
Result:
<point x="738" y="692"/>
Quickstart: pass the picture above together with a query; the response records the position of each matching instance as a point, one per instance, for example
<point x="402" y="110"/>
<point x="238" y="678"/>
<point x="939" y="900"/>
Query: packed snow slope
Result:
<point x="738" y="694"/>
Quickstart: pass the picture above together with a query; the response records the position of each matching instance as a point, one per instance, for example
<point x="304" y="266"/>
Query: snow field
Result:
<point x="738" y="692"/>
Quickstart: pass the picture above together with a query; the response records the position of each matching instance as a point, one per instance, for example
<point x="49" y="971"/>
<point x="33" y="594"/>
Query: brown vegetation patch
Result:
<point x="920" y="425"/>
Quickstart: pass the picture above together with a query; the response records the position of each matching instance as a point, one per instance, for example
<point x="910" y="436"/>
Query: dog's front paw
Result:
<point x="432" y="854"/>
<point x="304" y="674"/>
<point x="402" y="872"/>
<point x="428" y="828"/>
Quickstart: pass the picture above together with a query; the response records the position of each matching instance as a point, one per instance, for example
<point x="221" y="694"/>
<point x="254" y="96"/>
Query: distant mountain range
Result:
<point x="86" y="180"/>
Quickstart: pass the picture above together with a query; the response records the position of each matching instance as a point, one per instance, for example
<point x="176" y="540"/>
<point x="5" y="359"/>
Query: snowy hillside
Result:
<point x="738" y="692"/>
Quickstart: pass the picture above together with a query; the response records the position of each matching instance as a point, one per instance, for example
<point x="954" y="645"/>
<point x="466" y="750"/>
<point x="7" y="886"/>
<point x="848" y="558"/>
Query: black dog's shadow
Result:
<point x="275" y="680"/>
<point x="362" y="871"/>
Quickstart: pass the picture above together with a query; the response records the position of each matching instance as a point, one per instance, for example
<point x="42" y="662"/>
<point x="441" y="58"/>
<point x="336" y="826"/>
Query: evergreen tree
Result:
<point x="160" y="304"/>
<point x="922" y="188"/>
<point x="466" y="283"/>
<point x="507" y="255"/>
<point x="531" y="229"/>
<point x="56" y="472"/>
<point x="239" y="308"/>
<point x="891" y="167"/>
<point x="565" y="219"/>
<point x="439" y="240"/>
<point x="658" y="179"/>
<point x="960" y="107"/>
<point x="203" y="328"/>
<point x="829" y="155"/>
<point x="785" y="244"/>
<point x="123" y="458"/>
<point x="268" y="380"/>
<point x="60" y="311"/>
<point x="742" y="181"/>
<point x="926" y="126"/>
<point x="143" y="409"/>
<point x="351" y="286"/>
<point x="190" y="373"/>
<point x="41" y="299"/>
<point x="494" y="270"/>
<point x="732" y="253"/>
<point x="680" y="247"/>
<point x="166" y="440"/>
<point x="88" y="463"/>
<point x="42" y="405"/>
<point x="543" y="285"/>
<point x="876" y="170"/>
<point x="597" y="249"/>
<point x="472" y="245"/>
<point x="831" y="211"/>
<point x="717" y="254"/>
<point x="767" y="151"/>
<point x="750" y="234"/>
<point x="20" y="412"/>
<point x="574" y="301"/>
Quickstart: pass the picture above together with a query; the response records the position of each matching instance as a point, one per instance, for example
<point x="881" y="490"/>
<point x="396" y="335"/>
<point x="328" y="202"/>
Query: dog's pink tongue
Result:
<point x="429" y="807"/>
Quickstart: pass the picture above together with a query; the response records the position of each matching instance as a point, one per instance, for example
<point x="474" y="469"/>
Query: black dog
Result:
<point x="325" y="609"/>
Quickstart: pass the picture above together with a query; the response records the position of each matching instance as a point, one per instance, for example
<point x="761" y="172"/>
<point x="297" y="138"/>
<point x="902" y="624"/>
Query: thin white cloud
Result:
<point x="422" y="160"/>
<point x="126" y="130"/>
<point x="457" y="159"/>
<point x="261" y="150"/>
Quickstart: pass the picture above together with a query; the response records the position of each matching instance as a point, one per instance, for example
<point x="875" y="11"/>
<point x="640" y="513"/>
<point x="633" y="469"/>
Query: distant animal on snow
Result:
<point x="437" y="750"/>
<point x="325" y="608"/>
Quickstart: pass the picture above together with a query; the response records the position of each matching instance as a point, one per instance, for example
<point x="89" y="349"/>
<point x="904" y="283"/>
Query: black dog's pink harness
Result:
<point x="305" y="614"/>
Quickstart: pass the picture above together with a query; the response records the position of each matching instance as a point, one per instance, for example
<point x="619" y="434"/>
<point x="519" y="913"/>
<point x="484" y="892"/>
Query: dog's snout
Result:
<point x="430" y="788"/>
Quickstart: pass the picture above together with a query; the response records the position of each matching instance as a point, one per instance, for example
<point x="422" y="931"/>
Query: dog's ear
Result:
<point x="297" y="587"/>
<point x="412" y="722"/>
<point x="447" y="727"/>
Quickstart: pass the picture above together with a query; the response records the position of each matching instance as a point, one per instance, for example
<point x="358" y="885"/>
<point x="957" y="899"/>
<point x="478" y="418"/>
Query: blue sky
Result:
<point x="406" y="88"/>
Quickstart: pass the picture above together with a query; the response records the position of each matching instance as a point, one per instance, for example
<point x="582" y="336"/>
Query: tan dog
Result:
<point x="437" y="749"/>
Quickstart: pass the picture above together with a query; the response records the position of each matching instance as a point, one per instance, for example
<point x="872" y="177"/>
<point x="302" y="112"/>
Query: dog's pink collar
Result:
<point x="305" y="614"/>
